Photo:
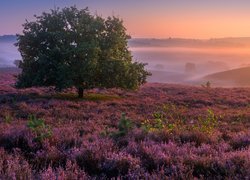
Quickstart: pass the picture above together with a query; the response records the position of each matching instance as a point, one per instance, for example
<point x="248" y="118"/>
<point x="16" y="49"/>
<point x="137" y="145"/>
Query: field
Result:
<point x="159" y="131"/>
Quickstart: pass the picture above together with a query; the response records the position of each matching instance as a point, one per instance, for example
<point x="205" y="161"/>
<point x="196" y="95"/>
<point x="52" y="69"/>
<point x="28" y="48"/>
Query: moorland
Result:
<point x="158" y="131"/>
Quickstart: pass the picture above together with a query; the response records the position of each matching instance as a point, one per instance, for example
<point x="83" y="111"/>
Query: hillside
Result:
<point x="8" y="38"/>
<point x="235" y="77"/>
<point x="174" y="131"/>
<point x="236" y="42"/>
<point x="174" y="42"/>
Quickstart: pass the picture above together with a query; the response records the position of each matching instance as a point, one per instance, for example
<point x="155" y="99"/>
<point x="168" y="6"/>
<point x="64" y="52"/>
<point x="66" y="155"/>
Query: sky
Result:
<point x="199" y="19"/>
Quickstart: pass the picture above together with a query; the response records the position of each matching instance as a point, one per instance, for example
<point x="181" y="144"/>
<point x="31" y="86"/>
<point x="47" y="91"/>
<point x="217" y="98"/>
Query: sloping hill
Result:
<point x="234" y="77"/>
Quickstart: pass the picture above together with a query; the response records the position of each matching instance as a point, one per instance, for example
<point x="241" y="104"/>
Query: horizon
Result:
<point x="186" y="20"/>
<point x="166" y="38"/>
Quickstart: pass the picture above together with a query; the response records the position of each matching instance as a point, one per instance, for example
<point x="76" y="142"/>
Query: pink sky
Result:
<point x="147" y="18"/>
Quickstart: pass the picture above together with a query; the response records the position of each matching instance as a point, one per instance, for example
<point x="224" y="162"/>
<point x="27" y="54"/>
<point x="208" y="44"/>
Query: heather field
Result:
<point x="160" y="131"/>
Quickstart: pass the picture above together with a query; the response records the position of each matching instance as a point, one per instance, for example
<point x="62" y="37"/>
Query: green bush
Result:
<point x="39" y="128"/>
<point x="208" y="123"/>
<point x="8" y="118"/>
<point x="172" y="118"/>
<point x="125" y="124"/>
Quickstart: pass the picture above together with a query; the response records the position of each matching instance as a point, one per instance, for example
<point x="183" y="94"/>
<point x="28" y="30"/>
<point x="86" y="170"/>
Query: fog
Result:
<point x="169" y="64"/>
<point x="8" y="53"/>
<point x="189" y="65"/>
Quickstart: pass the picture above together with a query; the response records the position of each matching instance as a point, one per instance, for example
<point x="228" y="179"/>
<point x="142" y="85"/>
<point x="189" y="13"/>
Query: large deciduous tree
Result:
<point x="72" y="47"/>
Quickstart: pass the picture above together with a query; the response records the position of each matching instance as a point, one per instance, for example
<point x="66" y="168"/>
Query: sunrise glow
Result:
<point x="145" y="18"/>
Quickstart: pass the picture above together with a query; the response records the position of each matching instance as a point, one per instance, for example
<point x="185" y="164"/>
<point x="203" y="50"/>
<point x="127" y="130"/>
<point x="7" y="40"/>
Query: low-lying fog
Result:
<point x="183" y="64"/>
<point x="8" y="53"/>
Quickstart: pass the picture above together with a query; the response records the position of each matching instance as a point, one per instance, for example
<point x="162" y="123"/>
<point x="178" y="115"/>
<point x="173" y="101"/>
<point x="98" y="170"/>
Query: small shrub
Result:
<point x="158" y="122"/>
<point x="37" y="126"/>
<point x="152" y="125"/>
<point x="208" y="123"/>
<point x="241" y="141"/>
<point x="172" y="120"/>
<point x="119" y="164"/>
<point x="174" y="112"/>
<point x="8" y="118"/>
<point x="194" y="136"/>
<point x="206" y="85"/>
<point x="125" y="124"/>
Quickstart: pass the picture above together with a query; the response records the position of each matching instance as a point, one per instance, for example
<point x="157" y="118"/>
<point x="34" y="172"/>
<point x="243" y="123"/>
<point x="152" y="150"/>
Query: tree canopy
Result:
<point x="72" y="47"/>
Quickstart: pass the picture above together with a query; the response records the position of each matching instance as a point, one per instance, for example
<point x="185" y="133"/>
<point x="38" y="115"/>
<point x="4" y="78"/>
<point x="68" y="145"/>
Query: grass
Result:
<point x="86" y="97"/>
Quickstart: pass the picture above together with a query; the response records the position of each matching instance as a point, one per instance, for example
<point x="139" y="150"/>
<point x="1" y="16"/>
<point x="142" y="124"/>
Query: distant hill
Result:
<point x="8" y="38"/>
<point x="174" y="42"/>
<point x="179" y="42"/>
<point x="235" y="77"/>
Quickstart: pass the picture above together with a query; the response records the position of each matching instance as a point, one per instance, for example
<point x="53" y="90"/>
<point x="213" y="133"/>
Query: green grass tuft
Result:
<point x="86" y="97"/>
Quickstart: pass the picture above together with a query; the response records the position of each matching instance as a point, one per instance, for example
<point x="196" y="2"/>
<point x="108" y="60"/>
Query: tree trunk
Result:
<point x="80" y="92"/>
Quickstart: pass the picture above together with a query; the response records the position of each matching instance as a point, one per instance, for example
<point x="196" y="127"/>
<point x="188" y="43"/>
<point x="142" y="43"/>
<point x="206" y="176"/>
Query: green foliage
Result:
<point x="208" y="123"/>
<point x="8" y="118"/>
<point x="87" y="96"/>
<point x="71" y="47"/>
<point x="37" y="126"/>
<point x="175" y="113"/>
<point x="158" y="122"/>
<point x="125" y="124"/>
<point x="172" y="118"/>
<point x="168" y="118"/>
<point x="100" y="97"/>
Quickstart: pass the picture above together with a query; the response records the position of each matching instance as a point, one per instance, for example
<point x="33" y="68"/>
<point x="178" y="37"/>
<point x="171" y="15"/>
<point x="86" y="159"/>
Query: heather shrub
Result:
<point x="147" y="153"/>
<point x="119" y="164"/>
<point x="48" y="156"/>
<point x="194" y="136"/>
<point x="159" y="136"/>
<point x="92" y="154"/>
<point x="90" y="162"/>
<point x="204" y="167"/>
<point x="175" y="112"/>
<point x="14" y="166"/>
<point x="48" y="174"/>
<point x="71" y="171"/>
<point x="240" y="141"/>
<point x="221" y="166"/>
<point x="70" y="138"/>
<point x="17" y="137"/>
<point x="238" y="164"/>
<point x="91" y="140"/>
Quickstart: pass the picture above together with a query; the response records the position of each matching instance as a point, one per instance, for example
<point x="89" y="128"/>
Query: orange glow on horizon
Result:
<point x="204" y="26"/>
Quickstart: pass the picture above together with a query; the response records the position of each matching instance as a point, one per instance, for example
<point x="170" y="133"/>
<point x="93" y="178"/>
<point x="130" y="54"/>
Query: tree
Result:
<point x="72" y="47"/>
<point x="17" y="62"/>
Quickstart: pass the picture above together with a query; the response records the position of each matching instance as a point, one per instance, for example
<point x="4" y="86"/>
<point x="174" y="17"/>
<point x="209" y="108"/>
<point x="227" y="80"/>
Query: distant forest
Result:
<point x="239" y="42"/>
<point x="179" y="42"/>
